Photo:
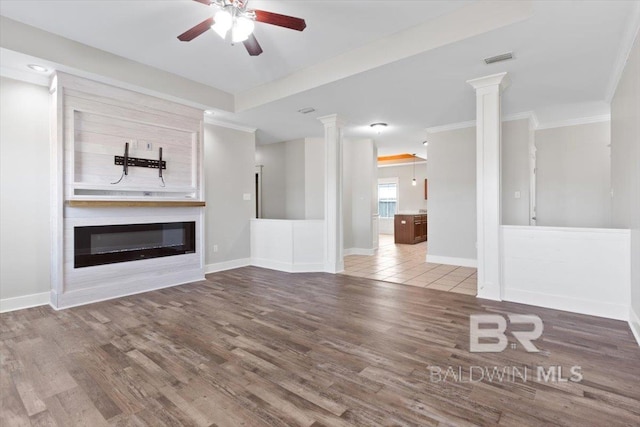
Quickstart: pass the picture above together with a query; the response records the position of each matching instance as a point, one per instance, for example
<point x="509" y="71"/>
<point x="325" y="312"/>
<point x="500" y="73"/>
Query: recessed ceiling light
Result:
<point x="306" y="110"/>
<point x="425" y="143"/>
<point x="38" y="68"/>
<point x="209" y="112"/>
<point x="378" y="127"/>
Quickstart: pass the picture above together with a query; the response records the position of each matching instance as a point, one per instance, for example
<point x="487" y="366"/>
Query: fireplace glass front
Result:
<point x="108" y="244"/>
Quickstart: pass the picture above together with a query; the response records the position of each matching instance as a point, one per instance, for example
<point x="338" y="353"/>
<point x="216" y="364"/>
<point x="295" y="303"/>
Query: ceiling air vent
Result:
<point x="498" y="58"/>
<point x="307" y="110"/>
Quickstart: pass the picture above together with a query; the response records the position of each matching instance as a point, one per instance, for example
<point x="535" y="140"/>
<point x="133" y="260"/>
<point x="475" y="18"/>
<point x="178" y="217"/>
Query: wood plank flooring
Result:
<point x="255" y="347"/>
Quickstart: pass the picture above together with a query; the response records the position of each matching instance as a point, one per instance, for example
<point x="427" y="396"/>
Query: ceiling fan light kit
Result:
<point x="234" y="16"/>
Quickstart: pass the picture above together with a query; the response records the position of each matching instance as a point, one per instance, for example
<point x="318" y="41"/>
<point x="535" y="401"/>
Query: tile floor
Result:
<point x="406" y="264"/>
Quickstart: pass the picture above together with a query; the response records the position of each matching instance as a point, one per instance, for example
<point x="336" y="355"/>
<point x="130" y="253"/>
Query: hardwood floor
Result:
<point x="255" y="347"/>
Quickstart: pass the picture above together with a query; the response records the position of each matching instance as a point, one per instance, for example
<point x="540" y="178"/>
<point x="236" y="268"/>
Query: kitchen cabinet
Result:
<point x="410" y="229"/>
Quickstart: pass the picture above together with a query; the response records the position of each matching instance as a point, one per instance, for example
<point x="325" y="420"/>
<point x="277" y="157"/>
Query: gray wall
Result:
<point x="283" y="179"/>
<point x="229" y="173"/>
<point x="452" y="193"/>
<point x="359" y="166"/>
<point x="573" y="176"/>
<point x="273" y="158"/>
<point x="625" y="164"/>
<point x="515" y="172"/>
<point x="24" y="189"/>
<point x="295" y="179"/>
<point x="314" y="178"/>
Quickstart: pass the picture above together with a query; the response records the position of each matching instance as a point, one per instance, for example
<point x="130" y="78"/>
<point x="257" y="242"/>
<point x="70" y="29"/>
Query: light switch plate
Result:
<point x="517" y="195"/>
<point x="246" y="196"/>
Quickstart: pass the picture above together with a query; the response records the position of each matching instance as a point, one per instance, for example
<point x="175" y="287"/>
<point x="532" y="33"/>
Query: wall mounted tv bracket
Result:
<point x="126" y="162"/>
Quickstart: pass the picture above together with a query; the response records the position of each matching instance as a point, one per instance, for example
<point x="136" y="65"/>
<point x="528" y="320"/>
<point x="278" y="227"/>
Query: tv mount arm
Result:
<point x="125" y="163"/>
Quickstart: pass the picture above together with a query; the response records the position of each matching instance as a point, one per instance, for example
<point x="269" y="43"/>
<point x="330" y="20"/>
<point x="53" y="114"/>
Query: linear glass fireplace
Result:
<point x="108" y="244"/>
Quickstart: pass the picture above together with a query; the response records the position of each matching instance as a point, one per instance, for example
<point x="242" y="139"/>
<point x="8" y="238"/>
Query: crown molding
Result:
<point x="633" y="32"/>
<point x="533" y="122"/>
<point x="228" y="125"/>
<point x="451" y="126"/>
<point x="575" y="122"/>
<point x="25" y="76"/>
<point x="527" y="115"/>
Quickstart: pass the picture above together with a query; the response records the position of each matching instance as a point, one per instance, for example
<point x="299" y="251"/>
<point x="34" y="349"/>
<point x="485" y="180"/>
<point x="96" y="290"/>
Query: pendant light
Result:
<point x="414" y="182"/>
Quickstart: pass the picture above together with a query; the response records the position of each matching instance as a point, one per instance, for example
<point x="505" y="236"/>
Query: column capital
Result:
<point x="331" y="119"/>
<point x="500" y="79"/>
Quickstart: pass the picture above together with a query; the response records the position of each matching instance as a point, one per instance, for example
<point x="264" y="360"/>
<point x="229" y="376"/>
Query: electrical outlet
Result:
<point x="246" y="196"/>
<point x="133" y="143"/>
<point x="215" y="248"/>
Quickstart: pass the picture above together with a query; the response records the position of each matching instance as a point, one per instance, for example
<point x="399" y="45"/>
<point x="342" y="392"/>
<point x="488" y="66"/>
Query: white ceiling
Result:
<point x="565" y="56"/>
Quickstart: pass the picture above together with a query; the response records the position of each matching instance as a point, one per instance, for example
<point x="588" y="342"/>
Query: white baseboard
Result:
<point x="634" y="324"/>
<point x="104" y="293"/>
<point x="461" y="262"/>
<point x="25" y="301"/>
<point x="227" y="265"/>
<point x="359" y="251"/>
<point x="573" y="305"/>
<point x="288" y="267"/>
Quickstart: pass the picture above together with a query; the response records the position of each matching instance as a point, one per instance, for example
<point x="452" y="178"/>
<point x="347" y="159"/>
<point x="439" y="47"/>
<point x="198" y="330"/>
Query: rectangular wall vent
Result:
<point x="498" y="58"/>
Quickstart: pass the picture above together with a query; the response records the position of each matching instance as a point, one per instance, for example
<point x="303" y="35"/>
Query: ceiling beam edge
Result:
<point x="469" y="21"/>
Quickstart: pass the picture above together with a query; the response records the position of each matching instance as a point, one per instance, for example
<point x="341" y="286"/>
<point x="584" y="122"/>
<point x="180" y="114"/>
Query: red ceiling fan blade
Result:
<point x="252" y="45"/>
<point x="194" y="32"/>
<point x="280" y="20"/>
<point x="205" y="2"/>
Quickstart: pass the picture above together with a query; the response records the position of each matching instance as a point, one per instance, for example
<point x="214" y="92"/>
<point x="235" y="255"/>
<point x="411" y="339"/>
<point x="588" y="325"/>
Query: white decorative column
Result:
<point x="489" y="209"/>
<point x="333" y="231"/>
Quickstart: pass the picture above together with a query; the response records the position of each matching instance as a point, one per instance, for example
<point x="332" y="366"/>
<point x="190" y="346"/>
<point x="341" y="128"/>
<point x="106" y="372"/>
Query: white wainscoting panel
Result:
<point x="288" y="245"/>
<point x="573" y="269"/>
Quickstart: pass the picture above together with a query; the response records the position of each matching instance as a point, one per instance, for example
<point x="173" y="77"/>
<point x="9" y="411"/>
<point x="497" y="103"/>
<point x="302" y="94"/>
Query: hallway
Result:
<point x="406" y="264"/>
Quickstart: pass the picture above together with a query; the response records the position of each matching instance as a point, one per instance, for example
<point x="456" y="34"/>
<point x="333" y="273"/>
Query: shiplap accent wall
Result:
<point x="91" y="123"/>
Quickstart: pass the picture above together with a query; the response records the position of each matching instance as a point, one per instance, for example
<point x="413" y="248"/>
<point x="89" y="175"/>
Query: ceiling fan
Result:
<point x="234" y="16"/>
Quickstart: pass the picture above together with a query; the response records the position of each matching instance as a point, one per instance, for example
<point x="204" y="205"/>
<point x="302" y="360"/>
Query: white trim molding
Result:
<point x="25" y="301"/>
<point x="447" y="260"/>
<point x="25" y="76"/>
<point x="533" y="120"/>
<point x="526" y="115"/>
<point x="634" y="324"/>
<point x="228" y="125"/>
<point x="227" y="265"/>
<point x="451" y="126"/>
<point x="359" y="251"/>
<point x="288" y="267"/>
<point x="575" y="122"/>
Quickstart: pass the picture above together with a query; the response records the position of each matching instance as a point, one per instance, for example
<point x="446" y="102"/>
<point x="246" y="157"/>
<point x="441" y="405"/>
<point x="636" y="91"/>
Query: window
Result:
<point x="387" y="199"/>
